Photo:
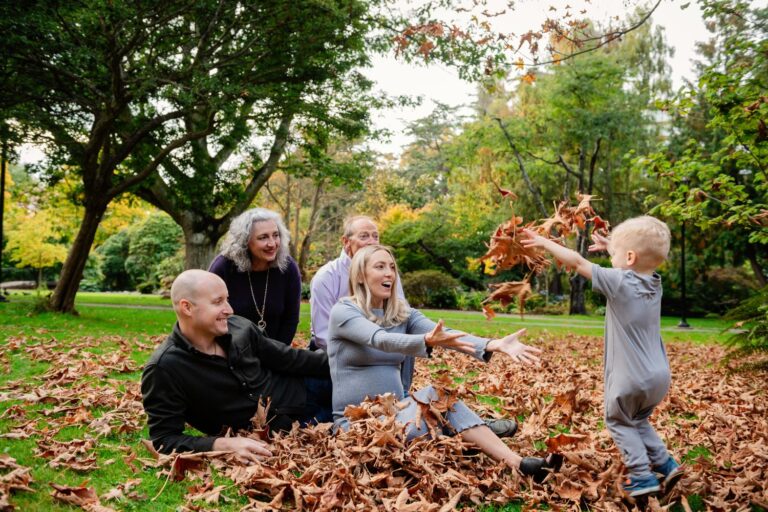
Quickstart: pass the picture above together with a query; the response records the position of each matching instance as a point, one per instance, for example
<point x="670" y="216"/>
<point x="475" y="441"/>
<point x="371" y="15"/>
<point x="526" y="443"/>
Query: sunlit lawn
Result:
<point x="153" y="317"/>
<point x="115" y="320"/>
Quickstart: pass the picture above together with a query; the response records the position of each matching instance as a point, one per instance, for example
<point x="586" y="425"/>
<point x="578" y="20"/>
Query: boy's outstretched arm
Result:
<point x="564" y="255"/>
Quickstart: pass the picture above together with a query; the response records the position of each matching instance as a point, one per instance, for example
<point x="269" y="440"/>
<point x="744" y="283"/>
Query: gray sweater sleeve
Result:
<point x="350" y="324"/>
<point x="418" y="323"/>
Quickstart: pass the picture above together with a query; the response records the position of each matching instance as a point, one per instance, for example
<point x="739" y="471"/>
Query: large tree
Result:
<point x="116" y="88"/>
<point x="97" y="80"/>
<point x="715" y="162"/>
<point x="303" y="83"/>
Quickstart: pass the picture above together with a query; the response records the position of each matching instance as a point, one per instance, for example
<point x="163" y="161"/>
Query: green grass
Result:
<point x="703" y="330"/>
<point x="100" y="318"/>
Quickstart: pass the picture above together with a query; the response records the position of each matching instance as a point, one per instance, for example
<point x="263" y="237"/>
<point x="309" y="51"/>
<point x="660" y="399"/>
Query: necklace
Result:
<point x="261" y="323"/>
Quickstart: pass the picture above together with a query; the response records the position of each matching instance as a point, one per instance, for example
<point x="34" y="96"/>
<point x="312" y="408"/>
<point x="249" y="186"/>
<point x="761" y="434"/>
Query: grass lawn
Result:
<point x="37" y="346"/>
<point x="702" y="329"/>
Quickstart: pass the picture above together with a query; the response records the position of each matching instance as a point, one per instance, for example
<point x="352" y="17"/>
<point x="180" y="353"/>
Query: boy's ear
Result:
<point x="631" y="258"/>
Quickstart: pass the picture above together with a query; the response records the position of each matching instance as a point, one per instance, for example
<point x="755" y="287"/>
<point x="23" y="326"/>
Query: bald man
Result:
<point x="213" y="370"/>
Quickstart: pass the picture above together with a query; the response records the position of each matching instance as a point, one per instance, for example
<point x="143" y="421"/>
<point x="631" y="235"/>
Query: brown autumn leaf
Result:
<point x="509" y="291"/>
<point x="488" y="312"/>
<point x="557" y="443"/>
<point x="506" y="193"/>
<point x="80" y="496"/>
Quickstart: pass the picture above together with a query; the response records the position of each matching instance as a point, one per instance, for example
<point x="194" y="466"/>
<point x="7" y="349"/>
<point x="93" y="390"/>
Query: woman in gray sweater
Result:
<point x="372" y="331"/>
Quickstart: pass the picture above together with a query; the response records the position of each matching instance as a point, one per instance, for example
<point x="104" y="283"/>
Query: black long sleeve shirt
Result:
<point x="182" y="385"/>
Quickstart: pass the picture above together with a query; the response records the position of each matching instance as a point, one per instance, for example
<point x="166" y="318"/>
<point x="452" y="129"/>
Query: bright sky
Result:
<point x="683" y="28"/>
<point x="441" y="83"/>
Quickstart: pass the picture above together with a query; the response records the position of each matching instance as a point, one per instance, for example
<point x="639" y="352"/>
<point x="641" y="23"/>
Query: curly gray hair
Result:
<point x="235" y="245"/>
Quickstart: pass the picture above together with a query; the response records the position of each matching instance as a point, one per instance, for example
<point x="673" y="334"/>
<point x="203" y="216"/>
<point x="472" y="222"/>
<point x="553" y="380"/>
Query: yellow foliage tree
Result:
<point x="34" y="243"/>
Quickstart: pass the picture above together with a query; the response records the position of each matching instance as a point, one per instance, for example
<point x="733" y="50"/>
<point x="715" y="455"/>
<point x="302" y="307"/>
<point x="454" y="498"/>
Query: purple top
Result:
<point x="283" y="296"/>
<point x="330" y="284"/>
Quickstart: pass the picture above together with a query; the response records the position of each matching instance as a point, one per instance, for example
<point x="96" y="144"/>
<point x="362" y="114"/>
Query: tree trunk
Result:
<point x="578" y="304"/>
<point x="305" y="244"/>
<point x="757" y="269"/>
<point x="200" y="249"/>
<point x="63" y="298"/>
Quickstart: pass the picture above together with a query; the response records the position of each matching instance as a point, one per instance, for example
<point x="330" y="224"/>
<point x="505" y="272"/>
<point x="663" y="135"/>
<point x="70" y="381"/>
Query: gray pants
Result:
<point x="626" y="416"/>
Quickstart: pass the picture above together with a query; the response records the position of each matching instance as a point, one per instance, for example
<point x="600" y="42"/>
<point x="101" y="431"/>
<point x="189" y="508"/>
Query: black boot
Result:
<point x="539" y="468"/>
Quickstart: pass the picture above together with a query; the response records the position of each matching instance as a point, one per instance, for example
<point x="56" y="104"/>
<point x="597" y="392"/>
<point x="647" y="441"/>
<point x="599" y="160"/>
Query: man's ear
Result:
<point x="185" y="307"/>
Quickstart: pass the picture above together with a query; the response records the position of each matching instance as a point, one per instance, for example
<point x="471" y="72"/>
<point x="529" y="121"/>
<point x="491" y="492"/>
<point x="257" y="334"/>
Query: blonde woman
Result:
<point x="372" y="331"/>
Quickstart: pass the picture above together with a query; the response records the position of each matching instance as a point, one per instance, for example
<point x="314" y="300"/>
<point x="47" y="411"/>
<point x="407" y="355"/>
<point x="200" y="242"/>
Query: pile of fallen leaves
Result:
<point x="505" y="250"/>
<point x="714" y="421"/>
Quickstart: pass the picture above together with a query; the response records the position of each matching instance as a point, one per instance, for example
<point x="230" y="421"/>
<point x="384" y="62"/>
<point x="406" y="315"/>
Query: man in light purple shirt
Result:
<point x="331" y="282"/>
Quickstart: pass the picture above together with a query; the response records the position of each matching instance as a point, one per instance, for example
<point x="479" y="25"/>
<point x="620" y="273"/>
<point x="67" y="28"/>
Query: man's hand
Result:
<point x="246" y="450"/>
<point x="438" y="337"/>
<point x="600" y="243"/>
<point x="517" y="351"/>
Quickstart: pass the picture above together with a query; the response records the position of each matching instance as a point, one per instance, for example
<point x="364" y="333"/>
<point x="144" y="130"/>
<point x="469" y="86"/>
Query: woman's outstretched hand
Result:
<point x="439" y="338"/>
<point x="515" y="349"/>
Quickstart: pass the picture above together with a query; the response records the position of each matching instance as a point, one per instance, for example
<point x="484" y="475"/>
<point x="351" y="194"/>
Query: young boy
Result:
<point x="637" y="375"/>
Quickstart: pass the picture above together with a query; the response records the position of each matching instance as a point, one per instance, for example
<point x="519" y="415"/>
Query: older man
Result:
<point x="215" y="368"/>
<point x="331" y="283"/>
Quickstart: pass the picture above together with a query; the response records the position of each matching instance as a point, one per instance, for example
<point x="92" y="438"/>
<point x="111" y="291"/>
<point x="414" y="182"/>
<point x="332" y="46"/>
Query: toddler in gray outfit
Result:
<point x="637" y="374"/>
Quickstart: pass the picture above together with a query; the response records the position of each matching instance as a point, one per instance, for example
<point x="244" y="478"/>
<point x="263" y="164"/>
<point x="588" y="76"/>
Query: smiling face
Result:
<point x="209" y="308"/>
<point x="363" y="232"/>
<point x="263" y="244"/>
<point x="380" y="275"/>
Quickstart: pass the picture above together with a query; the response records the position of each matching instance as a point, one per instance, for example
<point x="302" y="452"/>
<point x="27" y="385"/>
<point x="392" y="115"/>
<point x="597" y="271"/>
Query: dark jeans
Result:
<point x="318" y="401"/>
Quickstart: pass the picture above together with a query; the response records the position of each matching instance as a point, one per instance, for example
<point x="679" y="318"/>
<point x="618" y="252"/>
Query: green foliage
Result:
<point x="93" y="278"/>
<point x="715" y="162"/>
<point x="750" y="342"/>
<point x="149" y="243"/>
<point x="430" y="288"/>
<point x="114" y="252"/>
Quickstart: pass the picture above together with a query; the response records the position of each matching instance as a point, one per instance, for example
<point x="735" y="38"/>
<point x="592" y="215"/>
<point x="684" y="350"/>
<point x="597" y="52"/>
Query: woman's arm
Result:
<point x="348" y="323"/>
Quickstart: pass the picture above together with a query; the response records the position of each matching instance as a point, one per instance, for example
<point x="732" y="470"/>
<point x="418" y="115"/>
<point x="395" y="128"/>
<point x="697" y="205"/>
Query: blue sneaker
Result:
<point x="670" y="472"/>
<point x="641" y="486"/>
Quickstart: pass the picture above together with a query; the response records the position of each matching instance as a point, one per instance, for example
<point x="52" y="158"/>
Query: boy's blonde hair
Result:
<point x="647" y="236"/>
<point x="395" y="310"/>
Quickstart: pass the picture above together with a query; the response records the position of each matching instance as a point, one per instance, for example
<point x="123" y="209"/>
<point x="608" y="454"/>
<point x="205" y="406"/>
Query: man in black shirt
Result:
<point x="214" y="368"/>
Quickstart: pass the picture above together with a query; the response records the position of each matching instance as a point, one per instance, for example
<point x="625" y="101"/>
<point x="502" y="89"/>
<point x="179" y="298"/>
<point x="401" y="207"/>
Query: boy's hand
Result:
<point x="600" y="243"/>
<point x="515" y="349"/>
<point x="533" y="240"/>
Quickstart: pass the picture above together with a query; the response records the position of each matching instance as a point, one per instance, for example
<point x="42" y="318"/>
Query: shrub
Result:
<point x="431" y="289"/>
<point x="751" y="339"/>
<point x="471" y="300"/>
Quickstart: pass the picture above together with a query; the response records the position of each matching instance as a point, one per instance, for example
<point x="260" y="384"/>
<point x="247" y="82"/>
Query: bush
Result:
<point x="168" y="269"/>
<point x="470" y="300"/>
<point x="149" y="243"/>
<point x="430" y="289"/>
<point x="717" y="290"/>
<point x="305" y="291"/>
<point x="751" y="339"/>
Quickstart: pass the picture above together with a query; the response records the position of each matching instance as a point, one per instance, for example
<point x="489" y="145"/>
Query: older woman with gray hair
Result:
<point x="263" y="280"/>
